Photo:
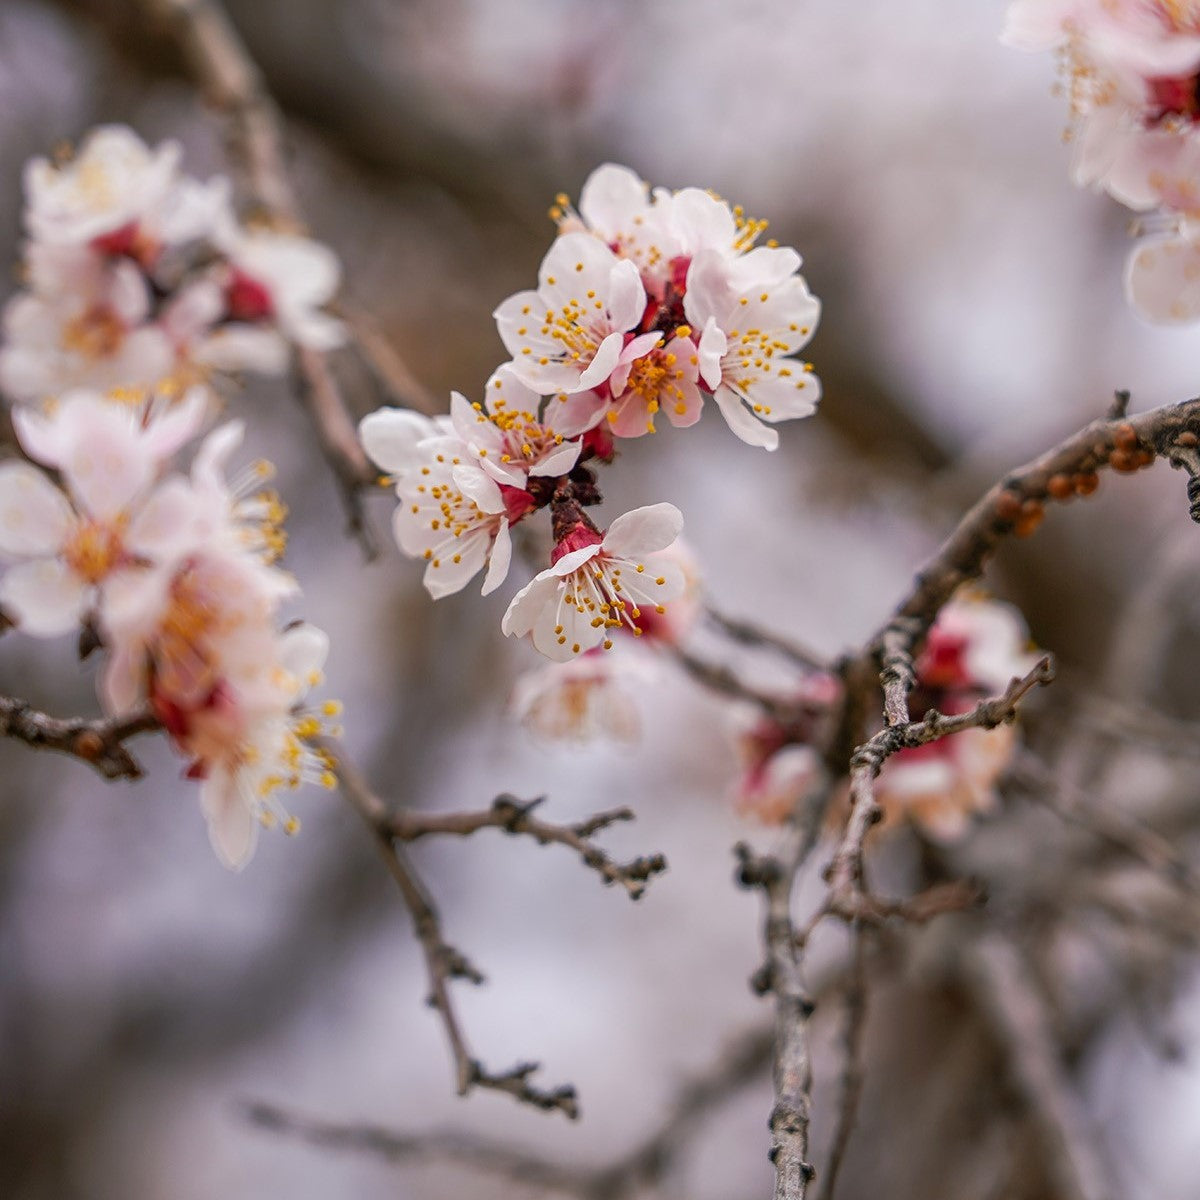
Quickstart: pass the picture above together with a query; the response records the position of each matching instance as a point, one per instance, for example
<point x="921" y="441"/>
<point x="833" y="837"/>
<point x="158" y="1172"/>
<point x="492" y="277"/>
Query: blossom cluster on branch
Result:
<point x="142" y="286"/>
<point x="647" y="303"/>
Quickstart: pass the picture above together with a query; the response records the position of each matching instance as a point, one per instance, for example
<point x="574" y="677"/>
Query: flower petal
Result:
<point x="35" y="517"/>
<point x="643" y="531"/>
<point x="44" y="597"/>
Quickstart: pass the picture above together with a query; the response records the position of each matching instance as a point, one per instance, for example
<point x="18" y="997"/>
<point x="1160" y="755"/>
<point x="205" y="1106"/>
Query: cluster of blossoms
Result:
<point x="646" y="303"/>
<point x="974" y="650"/>
<point x="140" y="278"/>
<point x="175" y="577"/>
<point x="1131" y="73"/>
<point x="140" y="285"/>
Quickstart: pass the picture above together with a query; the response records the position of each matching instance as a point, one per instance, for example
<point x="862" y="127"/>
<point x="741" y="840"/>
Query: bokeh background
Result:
<point x="973" y="316"/>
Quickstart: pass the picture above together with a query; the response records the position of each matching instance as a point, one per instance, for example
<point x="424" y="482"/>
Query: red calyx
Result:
<point x="943" y="663"/>
<point x="580" y="535"/>
<point x="600" y="442"/>
<point x="247" y="299"/>
<point x="517" y="502"/>
<point x="1175" y="97"/>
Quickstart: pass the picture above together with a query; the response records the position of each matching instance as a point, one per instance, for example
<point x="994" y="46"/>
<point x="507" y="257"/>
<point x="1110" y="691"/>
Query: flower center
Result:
<point x="96" y="333"/>
<point x="94" y="549"/>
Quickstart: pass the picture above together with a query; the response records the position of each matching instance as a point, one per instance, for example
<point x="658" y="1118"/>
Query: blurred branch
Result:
<point x="1127" y="834"/>
<point x="853" y="1070"/>
<point x="647" y="1164"/>
<point x="748" y="633"/>
<point x="515" y="816"/>
<point x="233" y="83"/>
<point x="1008" y="996"/>
<point x="98" y="742"/>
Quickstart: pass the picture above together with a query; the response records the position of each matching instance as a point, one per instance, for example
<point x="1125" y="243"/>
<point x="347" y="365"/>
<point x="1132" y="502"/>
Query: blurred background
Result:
<point x="973" y="316"/>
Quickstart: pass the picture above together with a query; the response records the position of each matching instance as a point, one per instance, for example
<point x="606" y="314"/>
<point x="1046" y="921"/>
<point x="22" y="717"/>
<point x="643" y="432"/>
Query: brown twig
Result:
<point x="443" y="962"/>
<point x="726" y="682"/>
<point x="1125" y="445"/>
<point x="782" y="975"/>
<point x="845" y="870"/>
<point x="98" y="742"/>
<point x="897" y="673"/>
<point x="515" y="816"/>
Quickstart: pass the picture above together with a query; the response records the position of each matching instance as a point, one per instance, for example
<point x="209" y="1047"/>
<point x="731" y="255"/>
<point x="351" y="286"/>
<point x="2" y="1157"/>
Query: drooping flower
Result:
<point x="590" y="697"/>
<point x="598" y="584"/>
<point x="200" y="647"/>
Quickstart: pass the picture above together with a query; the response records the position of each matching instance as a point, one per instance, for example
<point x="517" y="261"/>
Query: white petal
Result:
<point x="524" y="607"/>
<point x="559" y="462"/>
<point x="743" y="422"/>
<point x="390" y="436"/>
<point x="602" y="365"/>
<point x="35" y="517"/>
<point x="1162" y="280"/>
<point x="479" y="487"/>
<point x="44" y="597"/>
<point x="302" y="649"/>
<point x="501" y="558"/>
<point x="626" y="296"/>
<point x="713" y="346"/>
<point x="108" y="464"/>
<point x="232" y="828"/>
<point x="643" y="531"/>
<point x="173" y="521"/>
<point x="241" y="347"/>
<point x="610" y="198"/>
<point x="444" y="575"/>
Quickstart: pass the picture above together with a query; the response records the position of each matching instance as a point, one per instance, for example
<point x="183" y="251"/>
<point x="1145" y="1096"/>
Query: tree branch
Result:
<point x="99" y="742"/>
<point x="232" y="82"/>
<point x="515" y="816"/>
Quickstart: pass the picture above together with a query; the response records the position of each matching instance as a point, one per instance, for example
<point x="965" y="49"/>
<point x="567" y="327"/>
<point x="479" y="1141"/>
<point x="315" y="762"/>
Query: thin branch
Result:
<point x="748" y="633"/>
<point x="515" y="816"/>
<point x="390" y="372"/>
<point x="898" y="674"/>
<point x="782" y="975"/>
<point x="648" y="1163"/>
<point x="1008" y="996"/>
<point x="853" y="1070"/>
<point x="98" y="742"/>
<point x="442" y="961"/>
<point x="1015" y="507"/>
<point x="845" y="870"/>
<point x="727" y="682"/>
<point x="233" y="83"/>
<point x="1127" y="834"/>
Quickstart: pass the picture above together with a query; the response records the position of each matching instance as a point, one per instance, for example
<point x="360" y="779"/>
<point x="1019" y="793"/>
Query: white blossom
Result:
<point x="599" y="587"/>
